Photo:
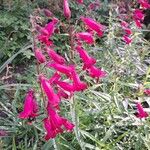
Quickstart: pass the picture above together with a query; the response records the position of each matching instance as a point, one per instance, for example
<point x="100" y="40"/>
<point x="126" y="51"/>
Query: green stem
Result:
<point x="75" y="121"/>
<point x="55" y="145"/>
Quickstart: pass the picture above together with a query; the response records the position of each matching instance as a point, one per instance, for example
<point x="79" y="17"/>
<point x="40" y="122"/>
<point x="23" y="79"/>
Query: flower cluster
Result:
<point x="138" y="17"/>
<point x="65" y="81"/>
<point x="138" y="14"/>
<point x="140" y="111"/>
<point x="147" y="92"/>
<point x="127" y="32"/>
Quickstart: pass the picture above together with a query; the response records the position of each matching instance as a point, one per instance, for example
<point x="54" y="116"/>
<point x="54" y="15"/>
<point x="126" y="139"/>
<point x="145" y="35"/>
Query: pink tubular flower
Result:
<point x="54" y="79"/>
<point x="47" y="32"/>
<point x="124" y="24"/>
<point x="138" y="23"/>
<point x="54" y="124"/>
<point x="39" y="56"/>
<point x="127" y="39"/>
<point x="95" y="72"/>
<point x="80" y="1"/>
<point x="30" y="106"/>
<point x="62" y="94"/>
<point x="93" y="25"/>
<point x="50" y="27"/>
<point x="87" y="60"/>
<point x="138" y="14"/>
<point x="61" y="68"/>
<point x="77" y="83"/>
<point x="41" y="29"/>
<point x="144" y="3"/>
<point x="66" y="86"/>
<point x="55" y="57"/>
<point x="85" y="36"/>
<point x="141" y="112"/>
<point x="128" y="31"/>
<point x="45" y="39"/>
<point x="53" y="98"/>
<point x="147" y="92"/>
<point x="66" y="9"/>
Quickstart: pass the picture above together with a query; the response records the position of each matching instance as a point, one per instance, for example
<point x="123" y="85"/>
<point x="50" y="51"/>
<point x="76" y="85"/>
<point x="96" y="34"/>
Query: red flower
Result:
<point x="144" y="3"/>
<point x="128" y="31"/>
<point x="86" y="36"/>
<point x="53" y="98"/>
<point x="127" y="39"/>
<point x="45" y="39"/>
<point x="138" y="23"/>
<point x="54" y="124"/>
<point x="138" y="14"/>
<point x="50" y="27"/>
<point x="87" y="60"/>
<point x="47" y="32"/>
<point x="80" y="1"/>
<point x="61" y="68"/>
<point x="55" y="57"/>
<point x="77" y="83"/>
<point x="96" y="72"/>
<point x="30" y="106"/>
<point x="124" y="24"/>
<point x="141" y="112"/>
<point x="66" y="86"/>
<point x="67" y="12"/>
<point x="62" y="94"/>
<point x="93" y="25"/>
<point x="54" y="79"/>
<point x="147" y="92"/>
<point x="39" y="56"/>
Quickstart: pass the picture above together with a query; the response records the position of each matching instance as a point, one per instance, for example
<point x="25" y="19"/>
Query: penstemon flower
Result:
<point x="127" y="39"/>
<point x="53" y="98"/>
<point x="47" y="32"/>
<point x="77" y="83"/>
<point x="87" y="60"/>
<point x="93" y="25"/>
<point x="138" y="14"/>
<point x="54" y="124"/>
<point x="95" y="72"/>
<point x="39" y="56"/>
<point x="144" y="3"/>
<point x="54" y="79"/>
<point x="62" y="94"/>
<point x="55" y="57"/>
<point x="124" y="24"/>
<point x="141" y="112"/>
<point x="86" y="37"/>
<point x="147" y="92"/>
<point x="30" y="109"/>
<point x="61" y="68"/>
<point x="80" y="1"/>
<point x="67" y="12"/>
<point x="66" y="86"/>
<point x="128" y="31"/>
